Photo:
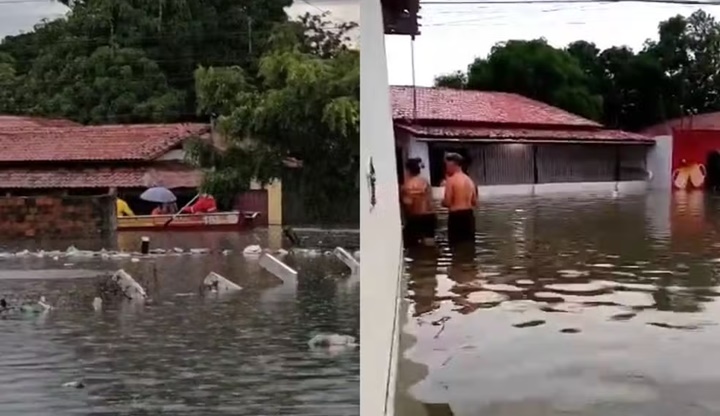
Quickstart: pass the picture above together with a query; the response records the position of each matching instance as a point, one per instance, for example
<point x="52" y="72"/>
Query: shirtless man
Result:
<point x="420" y="219"/>
<point x="460" y="199"/>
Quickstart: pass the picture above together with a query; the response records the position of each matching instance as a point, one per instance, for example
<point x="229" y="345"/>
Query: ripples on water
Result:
<point x="244" y="354"/>
<point x="583" y="306"/>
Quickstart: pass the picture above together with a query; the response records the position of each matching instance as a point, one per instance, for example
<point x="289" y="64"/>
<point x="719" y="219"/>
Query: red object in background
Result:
<point x="689" y="155"/>
<point x="206" y="203"/>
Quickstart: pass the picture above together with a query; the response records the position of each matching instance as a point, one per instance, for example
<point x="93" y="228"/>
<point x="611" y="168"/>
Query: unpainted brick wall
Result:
<point x="57" y="217"/>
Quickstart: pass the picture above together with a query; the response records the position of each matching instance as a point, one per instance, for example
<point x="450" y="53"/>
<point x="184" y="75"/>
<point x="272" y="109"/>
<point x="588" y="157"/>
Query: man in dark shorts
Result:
<point x="420" y="219"/>
<point x="460" y="199"/>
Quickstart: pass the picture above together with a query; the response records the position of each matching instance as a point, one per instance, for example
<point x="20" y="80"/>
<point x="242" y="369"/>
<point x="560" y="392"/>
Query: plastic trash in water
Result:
<point x="279" y="269"/>
<point x="74" y="384"/>
<point x="130" y="288"/>
<point x="97" y="304"/>
<point x="216" y="283"/>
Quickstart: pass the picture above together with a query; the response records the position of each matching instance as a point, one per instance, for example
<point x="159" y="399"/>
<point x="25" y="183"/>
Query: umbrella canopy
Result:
<point x="158" y="195"/>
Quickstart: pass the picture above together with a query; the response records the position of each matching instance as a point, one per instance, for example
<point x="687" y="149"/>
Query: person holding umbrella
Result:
<point x="161" y="196"/>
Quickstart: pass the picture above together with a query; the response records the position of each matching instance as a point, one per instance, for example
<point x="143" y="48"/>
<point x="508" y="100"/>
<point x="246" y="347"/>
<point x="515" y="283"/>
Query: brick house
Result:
<point x="57" y="157"/>
<point x="513" y="144"/>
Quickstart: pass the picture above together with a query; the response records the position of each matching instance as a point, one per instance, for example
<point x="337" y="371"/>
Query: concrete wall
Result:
<point x="659" y="163"/>
<point x="49" y="217"/>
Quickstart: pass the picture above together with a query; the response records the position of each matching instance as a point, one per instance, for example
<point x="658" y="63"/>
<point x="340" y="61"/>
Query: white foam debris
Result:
<point x="226" y="252"/>
<point x="135" y="260"/>
<point x="178" y="250"/>
<point x="332" y="340"/>
<point x="253" y="250"/>
<point x="129" y="286"/>
<point x="74" y="384"/>
<point x="279" y="269"/>
<point x="217" y="283"/>
<point x="199" y="250"/>
<point x="97" y="304"/>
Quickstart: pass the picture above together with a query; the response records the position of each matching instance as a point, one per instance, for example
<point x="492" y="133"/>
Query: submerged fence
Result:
<point x="516" y="163"/>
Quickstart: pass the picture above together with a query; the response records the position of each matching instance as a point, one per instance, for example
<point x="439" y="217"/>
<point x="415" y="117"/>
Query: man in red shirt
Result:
<point x="205" y="204"/>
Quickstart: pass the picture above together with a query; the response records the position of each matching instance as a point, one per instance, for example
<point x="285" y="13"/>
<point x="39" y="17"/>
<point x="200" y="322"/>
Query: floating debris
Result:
<point x="347" y="259"/>
<point x="253" y="251"/>
<point x="332" y="340"/>
<point x="216" y="283"/>
<point x="530" y="324"/>
<point x="199" y="250"/>
<point x="569" y="330"/>
<point x="178" y="250"/>
<point x="97" y="304"/>
<point x="226" y="252"/>
<point x="603" y="265"/>
<point x="573" y="273"/>
<point x="671" y="326"/>
<point x="277" y="268"/>
<point x="74" y="384"/>
<point x="130" y="288"/>
<point x="623" y="316"/>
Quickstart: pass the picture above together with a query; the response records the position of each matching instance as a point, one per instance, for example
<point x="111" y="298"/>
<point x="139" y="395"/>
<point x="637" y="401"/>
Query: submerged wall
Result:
<point x="57" y="217"/>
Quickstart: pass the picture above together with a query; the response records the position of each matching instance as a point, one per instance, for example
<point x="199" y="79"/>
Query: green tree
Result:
<point x="172" y="37"/>
<point x="305" y="107"/>
<point x="538" y="71"/>
<point x="456" y="80"/>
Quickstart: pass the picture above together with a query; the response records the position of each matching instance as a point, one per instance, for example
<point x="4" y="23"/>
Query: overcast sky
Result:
<point x="453" y="35"/>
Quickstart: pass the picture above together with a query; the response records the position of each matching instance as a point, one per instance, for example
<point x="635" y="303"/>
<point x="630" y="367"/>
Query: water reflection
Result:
<point x="182" y="353"/>
<point x="589" y="306"/>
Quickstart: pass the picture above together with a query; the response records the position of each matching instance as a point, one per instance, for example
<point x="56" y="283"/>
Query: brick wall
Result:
<point x="81" y="217"/>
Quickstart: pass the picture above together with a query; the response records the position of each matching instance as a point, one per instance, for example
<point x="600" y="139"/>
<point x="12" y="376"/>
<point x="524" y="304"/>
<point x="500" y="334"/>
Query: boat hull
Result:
<point x="234" y="220"/>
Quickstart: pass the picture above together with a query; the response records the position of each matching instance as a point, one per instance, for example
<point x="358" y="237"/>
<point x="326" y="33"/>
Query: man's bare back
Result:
<point x="417" y="196"/>
<point x="460" y="192"/>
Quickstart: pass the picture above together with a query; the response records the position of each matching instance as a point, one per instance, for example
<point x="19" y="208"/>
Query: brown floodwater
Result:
<point x="568" y="306"/>
<point x="181" y="353"/>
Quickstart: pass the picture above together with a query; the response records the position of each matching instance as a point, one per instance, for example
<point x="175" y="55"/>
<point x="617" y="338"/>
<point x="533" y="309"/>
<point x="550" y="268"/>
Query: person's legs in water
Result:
<point x="461" y="227"/>
<point x="412" y="231"/>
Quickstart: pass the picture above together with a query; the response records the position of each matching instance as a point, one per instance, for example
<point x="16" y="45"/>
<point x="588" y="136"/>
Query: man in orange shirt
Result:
<point x="461" y="200"/>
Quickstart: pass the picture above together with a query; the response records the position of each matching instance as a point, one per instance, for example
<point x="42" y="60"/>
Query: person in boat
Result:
<point x="123" y="209"/>
<point x="205" y="204"/>
<point x="164" y="209"/>
<point x="460" y="199"/>
<point x="420" y="218"/>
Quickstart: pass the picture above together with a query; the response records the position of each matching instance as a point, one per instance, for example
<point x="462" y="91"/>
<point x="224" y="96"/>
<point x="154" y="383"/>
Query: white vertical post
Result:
<point x="380" y="240"/>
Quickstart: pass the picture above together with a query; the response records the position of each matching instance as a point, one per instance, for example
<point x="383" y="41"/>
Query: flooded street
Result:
<point x="569" y="306"/>
<point x="181" y="353"/>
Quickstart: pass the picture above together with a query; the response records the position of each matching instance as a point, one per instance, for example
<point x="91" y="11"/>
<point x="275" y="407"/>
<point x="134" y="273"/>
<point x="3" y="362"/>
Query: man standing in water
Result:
<point x="420" y="219"/>
<point x="460" y="199"/>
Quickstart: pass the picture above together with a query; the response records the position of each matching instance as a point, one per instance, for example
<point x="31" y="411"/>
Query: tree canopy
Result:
<point x="305" y="107"/>
<point x="676" y="74"/>
<point x="130" y="61"/>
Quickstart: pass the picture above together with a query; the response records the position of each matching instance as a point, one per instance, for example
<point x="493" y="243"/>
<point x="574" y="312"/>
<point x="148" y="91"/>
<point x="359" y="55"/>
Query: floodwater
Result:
<point x="569" y="306"/>
<point x="181" y="353"/>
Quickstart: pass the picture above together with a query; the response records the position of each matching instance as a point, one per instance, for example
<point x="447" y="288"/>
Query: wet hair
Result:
<point x="455" y="158"/>
<point x="413" y="166"/>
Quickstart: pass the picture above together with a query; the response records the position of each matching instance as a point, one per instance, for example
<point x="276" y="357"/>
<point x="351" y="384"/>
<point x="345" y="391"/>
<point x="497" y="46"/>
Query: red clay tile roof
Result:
<point x="99" y="178"/>
<point x="93" y="143"/>
<point x="443" y="104"/>
<point x="479" y="133"/>
<point x="25" y="121"/>
<point x="707" y="121"/>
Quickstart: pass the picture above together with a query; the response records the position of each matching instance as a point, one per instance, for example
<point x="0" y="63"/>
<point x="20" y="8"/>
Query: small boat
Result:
<point x="230" y="220"/>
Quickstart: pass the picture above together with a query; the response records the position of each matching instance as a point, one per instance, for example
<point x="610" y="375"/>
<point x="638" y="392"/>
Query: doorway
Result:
<point x="712" y="165"/>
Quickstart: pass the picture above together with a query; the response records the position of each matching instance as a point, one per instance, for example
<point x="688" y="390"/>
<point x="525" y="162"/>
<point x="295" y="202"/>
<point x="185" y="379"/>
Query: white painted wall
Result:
<point x="659" y="163"/>
<point x="419" y="149"/>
